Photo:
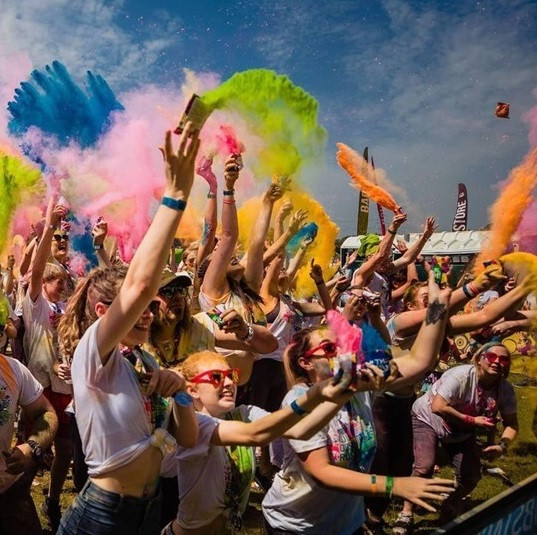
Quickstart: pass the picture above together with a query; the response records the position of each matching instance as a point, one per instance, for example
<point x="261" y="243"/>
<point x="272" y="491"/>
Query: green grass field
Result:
<point x="519" y="462"/>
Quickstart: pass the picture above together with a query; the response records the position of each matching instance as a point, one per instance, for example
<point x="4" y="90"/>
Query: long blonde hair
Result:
<point x="100" y="285"/>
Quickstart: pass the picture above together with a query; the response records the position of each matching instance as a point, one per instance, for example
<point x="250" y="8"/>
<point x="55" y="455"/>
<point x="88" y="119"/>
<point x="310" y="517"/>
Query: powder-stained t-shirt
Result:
<point x="17" y="388"/>
<point x="296" y="502"/>
<point x="459" y="387"/>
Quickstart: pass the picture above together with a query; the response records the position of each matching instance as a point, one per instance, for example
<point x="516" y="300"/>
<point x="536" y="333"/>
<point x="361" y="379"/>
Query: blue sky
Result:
<point x="417" y="81"/>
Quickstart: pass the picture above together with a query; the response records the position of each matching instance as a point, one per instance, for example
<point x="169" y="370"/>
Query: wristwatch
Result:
<point x="37" y="451"/>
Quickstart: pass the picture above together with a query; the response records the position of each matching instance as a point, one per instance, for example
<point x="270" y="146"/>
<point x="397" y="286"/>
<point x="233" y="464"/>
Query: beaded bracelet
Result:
<point x="228" y="201"/>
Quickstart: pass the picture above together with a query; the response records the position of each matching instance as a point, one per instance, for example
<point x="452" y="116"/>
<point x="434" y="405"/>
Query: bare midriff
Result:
<point x="138" y="479"/>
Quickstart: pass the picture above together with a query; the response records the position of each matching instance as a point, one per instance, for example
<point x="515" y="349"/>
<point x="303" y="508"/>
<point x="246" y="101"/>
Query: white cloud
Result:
<point x="86" y="34"/>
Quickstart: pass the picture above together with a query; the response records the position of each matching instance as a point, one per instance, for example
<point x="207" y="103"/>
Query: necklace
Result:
<point x="166" y="344"/>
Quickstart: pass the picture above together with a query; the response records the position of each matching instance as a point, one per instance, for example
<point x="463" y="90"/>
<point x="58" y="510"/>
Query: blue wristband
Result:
<point x="466" y="292"/>
<point x="183" y="398"/>
<point x="297" y="408"/>
<point x="174" y="204"/>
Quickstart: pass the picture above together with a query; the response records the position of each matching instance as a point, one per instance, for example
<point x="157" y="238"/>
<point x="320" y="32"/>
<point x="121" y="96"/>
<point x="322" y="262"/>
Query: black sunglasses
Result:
<point x="169" y="292"/>
<point x="60" y="237"/>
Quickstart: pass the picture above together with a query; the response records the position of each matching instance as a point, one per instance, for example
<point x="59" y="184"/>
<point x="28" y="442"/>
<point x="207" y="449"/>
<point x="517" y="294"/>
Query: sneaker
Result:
<point x="52" y="511"/>
<point x="404" y="524"/>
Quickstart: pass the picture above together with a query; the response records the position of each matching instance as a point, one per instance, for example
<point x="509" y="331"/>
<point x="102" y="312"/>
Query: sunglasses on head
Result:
<point x="169" y="292"/>
<point x="60" y="237"/>
<point x="503" y="360"/>
<point x="328" y="348"/>
<point x="216" y="377"/>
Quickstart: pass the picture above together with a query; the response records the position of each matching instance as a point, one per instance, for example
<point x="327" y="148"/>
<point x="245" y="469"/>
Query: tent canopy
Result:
<point x="440" y="243"/>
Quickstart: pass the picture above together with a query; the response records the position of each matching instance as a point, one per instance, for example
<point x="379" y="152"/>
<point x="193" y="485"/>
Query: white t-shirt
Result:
<point x="111" y="413"/>
<point x="295" y="502"/>
<point x="203" y="472"/>
<point x="41" y="341"/>
<point x="459" y="386"/>
<point x="17" y="388"/>
<point x="282" y="328"/>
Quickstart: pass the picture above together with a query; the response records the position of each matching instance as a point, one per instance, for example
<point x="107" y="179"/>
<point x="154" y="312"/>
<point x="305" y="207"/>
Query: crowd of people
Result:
<point x="167" y="388"/>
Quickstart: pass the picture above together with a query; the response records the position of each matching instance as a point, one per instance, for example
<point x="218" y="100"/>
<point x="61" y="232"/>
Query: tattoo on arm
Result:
<point x="206" y="231"/>
<point x="435" y="312"/>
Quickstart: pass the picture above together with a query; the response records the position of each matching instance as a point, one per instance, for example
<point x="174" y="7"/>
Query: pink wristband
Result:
<point x="469" y="419"/>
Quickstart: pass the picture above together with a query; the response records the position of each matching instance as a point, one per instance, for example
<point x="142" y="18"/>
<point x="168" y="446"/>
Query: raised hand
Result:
<point x="205" y="170"/>
<point x="316" y="272"/>
<point x="490" y="277"/>
<point x="55" y="213"/>
<point x="285" y="210"/>
<point x="429" y="227"/>
<point x="231" y="171"/>
<point x="297" y="221"/>
<point x="273" y="193"/>
<point x="397" y="221"/>
<point x="179" y="166"/>
<point x="99" y="231"/>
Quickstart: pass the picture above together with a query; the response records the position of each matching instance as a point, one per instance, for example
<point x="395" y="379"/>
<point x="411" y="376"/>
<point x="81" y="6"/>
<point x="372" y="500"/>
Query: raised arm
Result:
<point x="215" y="284"/>
<point x="272" y="426"/>
<point x="296" y="223"/>
<point x="27" y="256"/>
<point x="143" y="277"/>
<point x="413" y="252"/>
<point x="316" y="273"/>
<point x="282" y="214"/>
<point x="427" y="344"/>
<point x="407" y="323"/>
<point x="98" y="233"/>
<point x="490" y="313"/>
<point x="363" y="273"/>
<point x="254" y="263"/>
<point x="8" y="280"/>
<point x="55" y="212"/>
<point x="210" y="221"/>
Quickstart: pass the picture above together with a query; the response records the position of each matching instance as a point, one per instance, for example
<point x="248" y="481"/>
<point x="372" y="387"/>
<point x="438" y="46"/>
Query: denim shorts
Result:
<point x="98" y="512"/>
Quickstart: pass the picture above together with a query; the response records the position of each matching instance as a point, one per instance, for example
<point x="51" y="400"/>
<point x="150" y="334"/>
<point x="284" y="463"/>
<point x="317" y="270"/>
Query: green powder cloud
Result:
<point x="281" y="113"/>
<point x="18" y="182"/>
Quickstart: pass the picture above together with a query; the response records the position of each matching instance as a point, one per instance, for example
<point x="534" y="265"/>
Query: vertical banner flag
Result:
<point x="379" y="207"/>
<point x="461" y="215"/>
<point x="363" y="206"/>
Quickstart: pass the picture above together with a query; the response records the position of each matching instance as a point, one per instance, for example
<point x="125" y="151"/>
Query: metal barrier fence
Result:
<point x="513" y="512"/>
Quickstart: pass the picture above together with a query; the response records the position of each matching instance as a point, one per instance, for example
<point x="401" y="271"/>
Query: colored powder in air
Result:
<point x="521" y="265"/>
<point x="361" y="173"/>
<point x="526" y="233"/>
<point x="322" y="249"/>
<point x="277" y="111"/>
<point x="308" y="231"/>
<point x="18" y="183"/>
<point x="57" y="106"/>
<point x="506" y="213"/>
<point x="228" y="142"/>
